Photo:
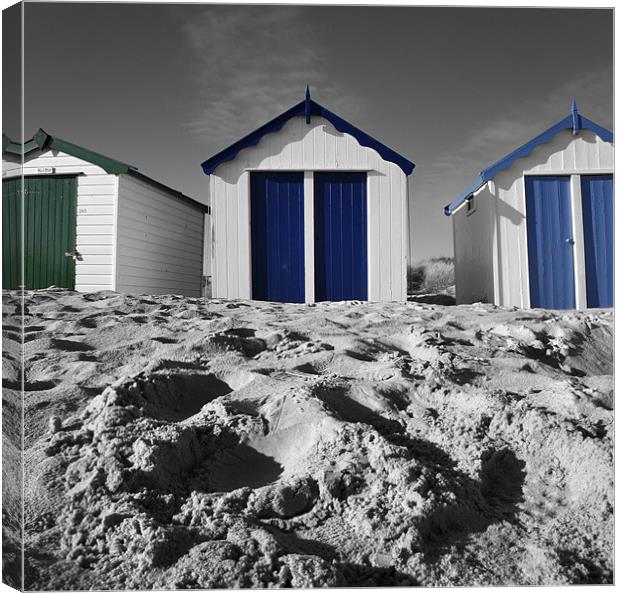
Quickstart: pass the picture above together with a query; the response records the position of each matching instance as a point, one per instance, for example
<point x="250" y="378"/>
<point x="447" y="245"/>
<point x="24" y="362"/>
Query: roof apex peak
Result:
<point x="307" y="107"/>
<point x="576" y="118"/>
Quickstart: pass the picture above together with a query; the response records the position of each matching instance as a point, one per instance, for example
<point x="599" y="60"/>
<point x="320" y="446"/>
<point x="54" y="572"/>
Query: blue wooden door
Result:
<point x="550" y="242"/>
<point x="597" y="192"/>
<point x="341" y="244"/>
<point x="277" y="220"/>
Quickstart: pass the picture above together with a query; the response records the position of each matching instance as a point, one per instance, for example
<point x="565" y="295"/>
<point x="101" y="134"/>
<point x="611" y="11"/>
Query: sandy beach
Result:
<point x="176" y="442"/>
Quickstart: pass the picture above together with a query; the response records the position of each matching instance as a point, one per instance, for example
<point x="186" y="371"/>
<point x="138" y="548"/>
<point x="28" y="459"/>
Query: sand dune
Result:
<point x="179" y="443"/>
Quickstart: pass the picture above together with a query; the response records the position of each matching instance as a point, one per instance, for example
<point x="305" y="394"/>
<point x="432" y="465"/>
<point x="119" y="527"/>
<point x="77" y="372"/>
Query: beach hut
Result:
<point x="93" y="223"/>
<point x="536" y="228"/>
<point x="309" y="208"/>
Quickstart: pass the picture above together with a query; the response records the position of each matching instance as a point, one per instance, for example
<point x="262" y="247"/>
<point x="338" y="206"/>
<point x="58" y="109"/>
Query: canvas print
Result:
<point x="306" y="296"/>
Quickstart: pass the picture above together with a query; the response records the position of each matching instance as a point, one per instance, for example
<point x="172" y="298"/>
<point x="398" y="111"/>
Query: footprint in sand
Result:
<point x="70" y="345"/>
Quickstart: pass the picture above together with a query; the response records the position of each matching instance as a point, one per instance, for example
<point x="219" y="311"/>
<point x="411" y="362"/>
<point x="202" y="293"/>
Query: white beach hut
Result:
<point x="536" y="228"/>
<point x="309" y="208"/>
<point x="94" y="223"/>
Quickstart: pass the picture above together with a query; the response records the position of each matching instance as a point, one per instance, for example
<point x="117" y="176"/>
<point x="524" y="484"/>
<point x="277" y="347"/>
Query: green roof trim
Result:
<point x="15" y="148"/>
<point x="44" y="141"/>
<point x="106" y="163"/>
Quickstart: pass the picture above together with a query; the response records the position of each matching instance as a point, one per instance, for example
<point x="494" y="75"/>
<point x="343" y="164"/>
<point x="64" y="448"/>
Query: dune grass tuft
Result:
<point x="430" y="276"/>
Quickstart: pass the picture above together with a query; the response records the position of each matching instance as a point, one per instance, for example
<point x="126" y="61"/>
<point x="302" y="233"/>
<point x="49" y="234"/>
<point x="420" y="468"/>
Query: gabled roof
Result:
<point x="308" y="107"/>
<point x="574" y="122"/>
<point x="44" y="141"/>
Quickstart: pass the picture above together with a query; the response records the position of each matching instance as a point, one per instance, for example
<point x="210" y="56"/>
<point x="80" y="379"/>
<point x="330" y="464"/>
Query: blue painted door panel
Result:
<point x="277" y="219"/>
<point x="550" y="242"/>
<point x="341" y="245"/>
<point x="597" y="193"/>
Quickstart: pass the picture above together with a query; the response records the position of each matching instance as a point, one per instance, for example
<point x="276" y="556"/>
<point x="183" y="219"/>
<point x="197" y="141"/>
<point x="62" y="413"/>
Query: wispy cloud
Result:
<point x="250" y="64"/>
<point x="515" y="125"/>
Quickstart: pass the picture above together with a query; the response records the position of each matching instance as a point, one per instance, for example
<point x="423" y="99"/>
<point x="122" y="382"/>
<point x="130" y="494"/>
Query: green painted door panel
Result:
<point x="49" y="224"/>
<point x="11" y="233"/>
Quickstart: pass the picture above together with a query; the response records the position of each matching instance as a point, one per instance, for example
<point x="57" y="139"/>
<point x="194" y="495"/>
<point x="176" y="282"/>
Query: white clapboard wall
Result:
<point x="159" y="241"/>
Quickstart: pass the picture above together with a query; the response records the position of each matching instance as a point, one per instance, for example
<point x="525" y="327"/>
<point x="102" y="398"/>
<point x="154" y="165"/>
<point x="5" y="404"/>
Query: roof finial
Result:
<point x="307" y="106"/>
<point x="576" y="118"/>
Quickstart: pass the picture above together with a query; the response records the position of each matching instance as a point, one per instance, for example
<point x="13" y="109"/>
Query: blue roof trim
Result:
<point x="454" y="204"/>
<point x="306" y="108"/>
<point x="574" y="122"/>
<point x="364" y="139"/>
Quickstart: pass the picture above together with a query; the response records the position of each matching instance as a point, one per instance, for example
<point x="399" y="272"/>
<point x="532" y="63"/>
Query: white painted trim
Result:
<point x="214" y="274"/>
<point x="226" y="209"/>
<point x="474" y="194"/>
<point x="567" y="172"/>
<point x="205" y="258"/>
<point x="579" y="256"/>
<point x="457" y="294"/>
<point x="410" y="219"/>
<point x="115" y="232"/>
<point x="12" y="173"/>
<point x="309" y="236"/>
<point x="523" y="263"/>
<point x="495" y="243"/>
<point x="317" y="169"/>
<point x="370" y="246"/>
<point x="404" y="231"/>
<point x="245" y="237"/>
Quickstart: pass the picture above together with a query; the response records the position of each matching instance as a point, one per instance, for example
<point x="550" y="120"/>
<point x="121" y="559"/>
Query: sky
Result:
<point x="164" y="87"/>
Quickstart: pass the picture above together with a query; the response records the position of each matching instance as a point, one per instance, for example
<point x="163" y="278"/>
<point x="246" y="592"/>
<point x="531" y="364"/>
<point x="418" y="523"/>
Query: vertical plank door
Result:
<point x="597" y="193"/>
<point x="49" y="209"/>
<point x="550" y="242"/>
<point x="341" y="236"/>
<point x="277" y="228"/>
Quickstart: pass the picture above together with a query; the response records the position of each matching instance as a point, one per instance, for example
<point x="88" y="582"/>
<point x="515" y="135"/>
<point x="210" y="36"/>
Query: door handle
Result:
<point x="75" y="254"/>
<point x="570" y="241"/>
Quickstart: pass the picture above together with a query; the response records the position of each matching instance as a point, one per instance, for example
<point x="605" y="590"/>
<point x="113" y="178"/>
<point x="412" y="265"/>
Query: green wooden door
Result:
<point x="11" y="233"/>
<point x="49" y="226"/>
